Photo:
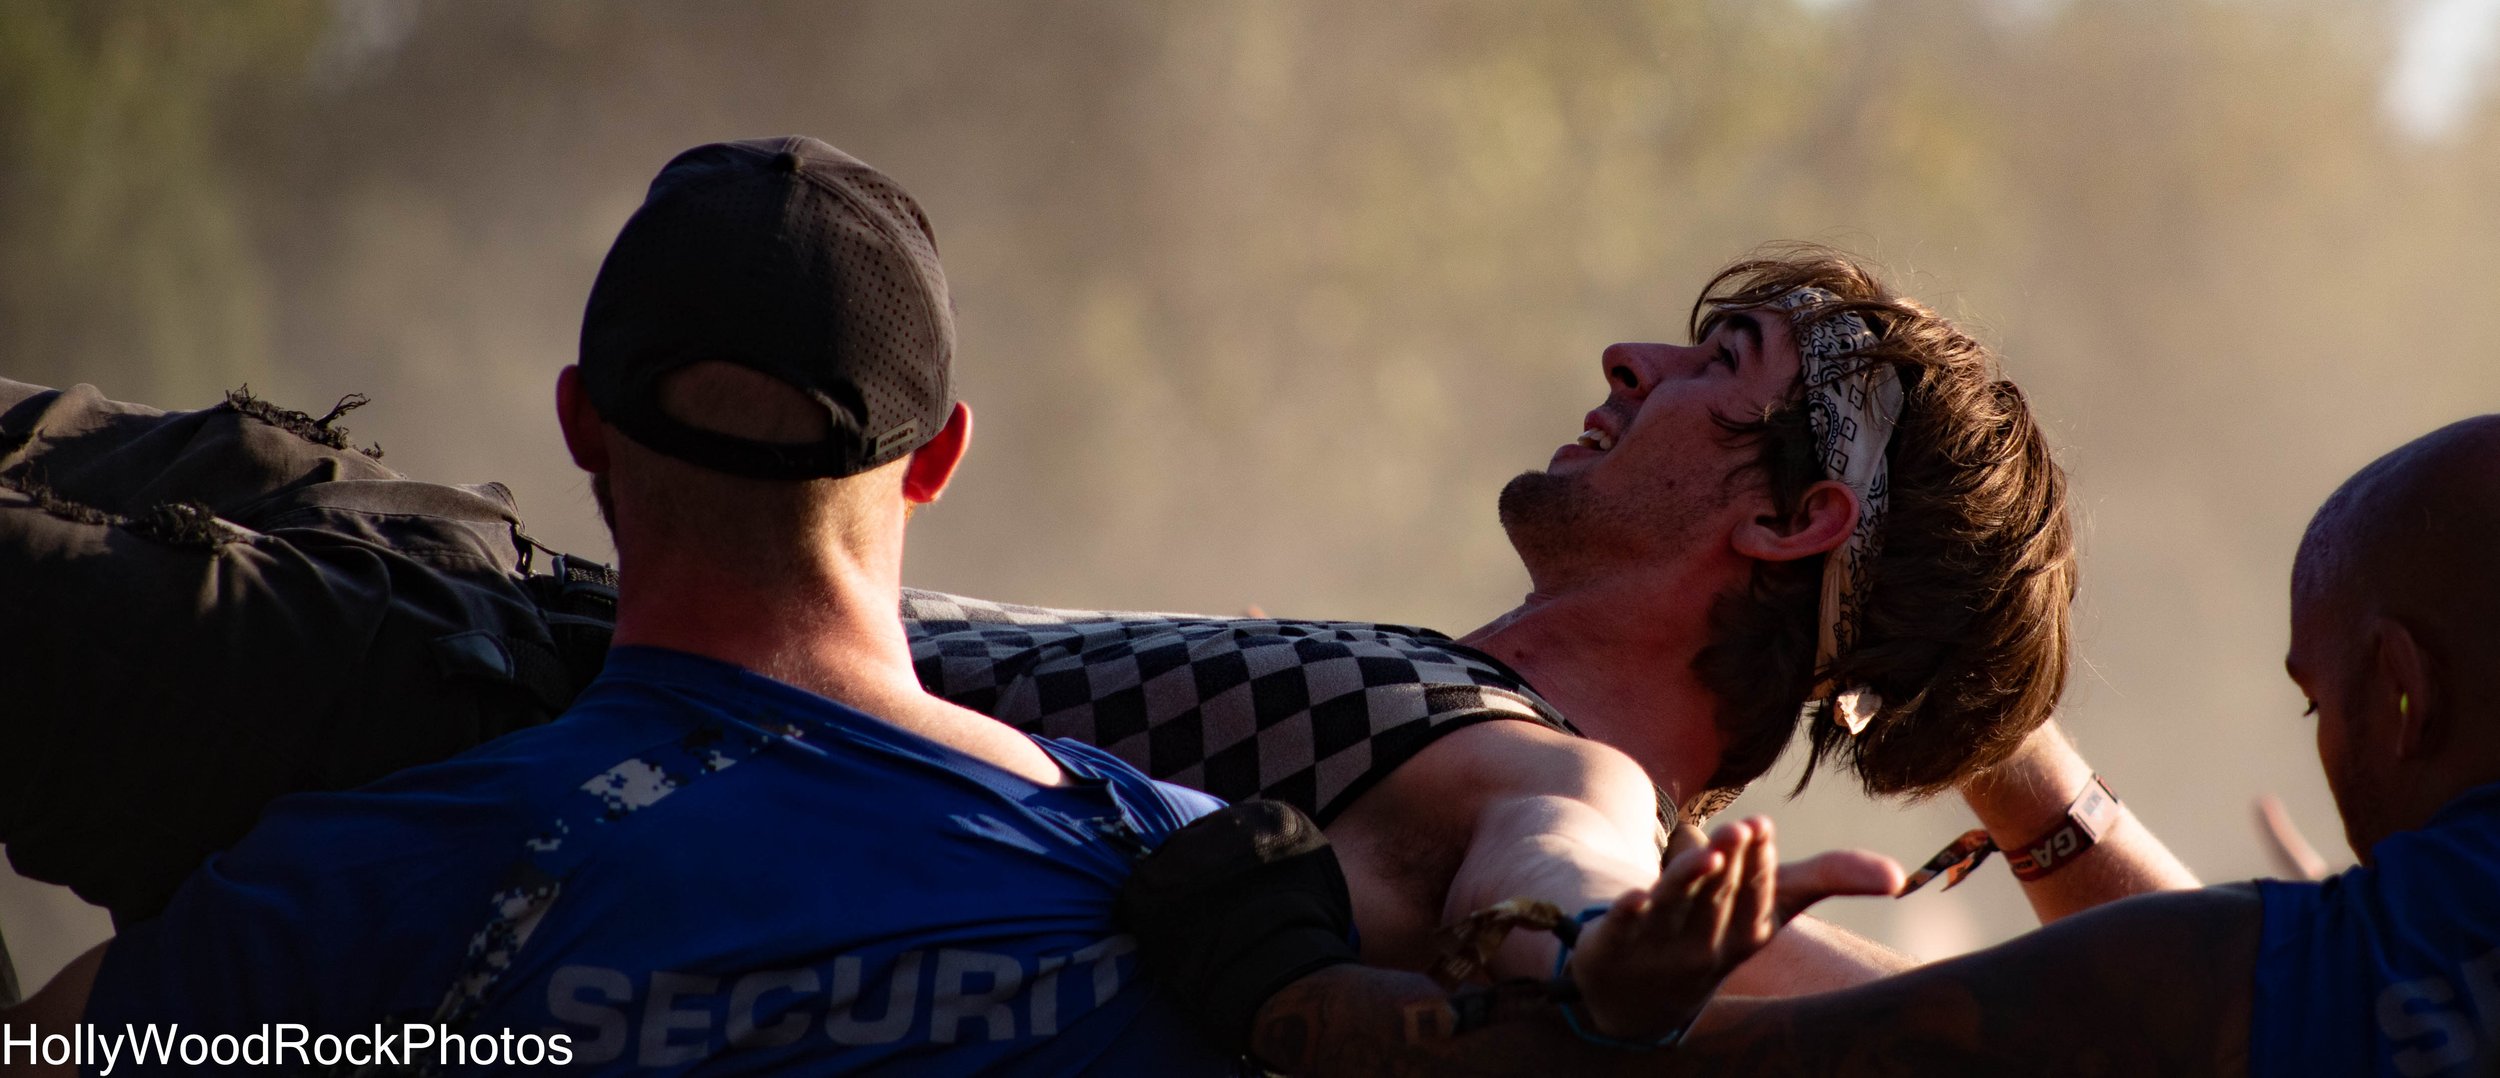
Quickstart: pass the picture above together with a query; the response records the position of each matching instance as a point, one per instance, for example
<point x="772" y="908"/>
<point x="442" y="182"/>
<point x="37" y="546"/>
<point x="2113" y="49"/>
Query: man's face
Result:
<point x="1653" y="474"/>
<point x="2325" y="663"/>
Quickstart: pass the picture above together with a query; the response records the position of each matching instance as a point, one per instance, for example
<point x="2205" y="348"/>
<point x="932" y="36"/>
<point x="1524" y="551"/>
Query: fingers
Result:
<point x="1658" y="953"/>
<point x="1727" y="843"/>
<point x="1732" y="894"/>
<point x="1841" y="872"/>
<point x="1688" y="871"/>
<point x="1684" y="837"/>
<point x="1693" y="893"/>
<point x="1750" y="919"/>
<point x="1742" y="839"/>
<point x="1723" y="887"/>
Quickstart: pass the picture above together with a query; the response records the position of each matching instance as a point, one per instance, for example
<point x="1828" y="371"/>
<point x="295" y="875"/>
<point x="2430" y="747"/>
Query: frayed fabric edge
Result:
<point x="190" y="524"/>
<point x="320" y="431"/>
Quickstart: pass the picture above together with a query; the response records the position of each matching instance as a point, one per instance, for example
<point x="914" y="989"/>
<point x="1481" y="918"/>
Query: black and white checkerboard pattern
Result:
<point x="1306" y="712"/>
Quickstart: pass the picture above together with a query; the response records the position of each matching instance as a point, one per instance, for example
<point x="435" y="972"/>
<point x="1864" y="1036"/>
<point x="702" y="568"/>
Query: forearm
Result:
<point x="1578" y="867"/>
<point x="2159" y="986"/>
<point x="2027" y="797"/>
<point x="1811" y="956"/>
<point x="2084" y="999"/>
<point x="1638" y="974"/>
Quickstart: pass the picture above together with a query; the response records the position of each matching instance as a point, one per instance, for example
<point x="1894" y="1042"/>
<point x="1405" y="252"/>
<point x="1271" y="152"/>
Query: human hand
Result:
<point x="1647" y="966"/>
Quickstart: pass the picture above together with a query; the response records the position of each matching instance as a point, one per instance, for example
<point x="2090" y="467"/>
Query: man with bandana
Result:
<point x="1737" y="532"/>
<point x="1828" y="498"/>
<point x="2391" y="969"/>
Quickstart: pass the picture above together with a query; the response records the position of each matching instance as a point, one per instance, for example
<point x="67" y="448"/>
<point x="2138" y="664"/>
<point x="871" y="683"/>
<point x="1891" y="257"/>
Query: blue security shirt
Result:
<point x="2392" y="969"/>
<point x="694" y="860"/>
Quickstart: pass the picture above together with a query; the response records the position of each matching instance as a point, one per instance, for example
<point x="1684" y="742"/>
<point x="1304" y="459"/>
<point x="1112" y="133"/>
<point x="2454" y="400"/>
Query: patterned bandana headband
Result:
<point x="1852" y="405"/>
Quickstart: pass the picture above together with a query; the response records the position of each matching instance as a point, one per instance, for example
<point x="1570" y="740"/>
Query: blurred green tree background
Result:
<point x="1262" y="301"/>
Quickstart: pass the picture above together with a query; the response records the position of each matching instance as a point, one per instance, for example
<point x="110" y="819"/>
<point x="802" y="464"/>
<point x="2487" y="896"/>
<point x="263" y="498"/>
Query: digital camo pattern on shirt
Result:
<point x="1310" y="713"/>
<point x="971" y="930"/>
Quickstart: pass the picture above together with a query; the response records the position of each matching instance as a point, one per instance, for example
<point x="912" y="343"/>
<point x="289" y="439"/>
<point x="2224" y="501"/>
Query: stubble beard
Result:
<point x="1539" y="511"/>
<point x="1564" y="530"/>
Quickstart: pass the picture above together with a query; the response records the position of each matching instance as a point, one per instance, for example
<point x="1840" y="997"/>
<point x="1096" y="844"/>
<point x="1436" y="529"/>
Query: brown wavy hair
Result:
<point x="1965" y="632"/>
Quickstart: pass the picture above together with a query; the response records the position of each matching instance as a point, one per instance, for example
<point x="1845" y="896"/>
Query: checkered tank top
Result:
<point x="1311" y="713"/>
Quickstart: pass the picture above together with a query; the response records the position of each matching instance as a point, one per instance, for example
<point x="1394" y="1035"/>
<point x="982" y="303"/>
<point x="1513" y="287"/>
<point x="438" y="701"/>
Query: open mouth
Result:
<point x="1596" y="439"/>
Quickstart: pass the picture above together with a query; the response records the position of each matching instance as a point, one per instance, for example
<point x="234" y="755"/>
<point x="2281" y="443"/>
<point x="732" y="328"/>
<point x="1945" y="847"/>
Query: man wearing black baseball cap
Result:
<point x="754" y="832"/>
<point x="1401" y="720"/>
<point x="786" y="257"/>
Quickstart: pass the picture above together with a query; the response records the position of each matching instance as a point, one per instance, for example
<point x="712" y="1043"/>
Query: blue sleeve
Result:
<point x="2390" y="969"/>
<point x="2316" y="970"/>
<point x="220" y="958"/>
<point x="326" y="915"/>
<point x="1184" y="803"/>
<point x="1159" y="806"/>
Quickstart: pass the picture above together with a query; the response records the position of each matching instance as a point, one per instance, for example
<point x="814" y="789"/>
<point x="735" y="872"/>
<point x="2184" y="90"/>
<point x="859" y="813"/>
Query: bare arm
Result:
<point x="2155" y="986"/>
<point x="2158" y="985"/>
<point x="1644" y="968"/>
<point x="2027" y="796"/>
<point x="58" y="1007"/>
<point x="1814" y="956"/>
<point x="1526" y="812"/>
<point x="1573" y="824"/>
<point x="1492" y="812"/>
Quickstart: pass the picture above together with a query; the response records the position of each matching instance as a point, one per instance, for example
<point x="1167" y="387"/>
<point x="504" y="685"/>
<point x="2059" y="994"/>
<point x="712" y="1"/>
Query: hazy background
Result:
<point x="1261" y="302"/>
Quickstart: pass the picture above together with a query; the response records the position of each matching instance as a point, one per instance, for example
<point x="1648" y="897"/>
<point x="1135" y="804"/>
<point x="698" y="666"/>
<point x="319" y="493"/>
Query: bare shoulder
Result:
<point x="1402" y="843"/>
<point x="1503" y="759"/>
<point x="1440" y="797"/>
<point x="1429" y="803"/>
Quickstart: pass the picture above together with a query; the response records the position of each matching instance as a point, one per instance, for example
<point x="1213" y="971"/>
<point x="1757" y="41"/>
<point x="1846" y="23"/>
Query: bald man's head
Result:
<point x="2396" y="629"/>
<point x="2413" y="534"/>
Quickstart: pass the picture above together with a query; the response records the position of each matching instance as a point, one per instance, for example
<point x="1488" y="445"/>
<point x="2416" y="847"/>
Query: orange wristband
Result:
<point x="2092" y="813"/>
<point x="2088" y="817"/>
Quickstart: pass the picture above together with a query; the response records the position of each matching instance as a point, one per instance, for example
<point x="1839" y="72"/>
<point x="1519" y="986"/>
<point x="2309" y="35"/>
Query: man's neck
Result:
<point x="834" y="633"/>
<point x="1616" y="658"/>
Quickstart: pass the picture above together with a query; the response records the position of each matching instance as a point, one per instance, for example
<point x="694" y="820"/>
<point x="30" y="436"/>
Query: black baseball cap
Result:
<point x="790" y="257"/>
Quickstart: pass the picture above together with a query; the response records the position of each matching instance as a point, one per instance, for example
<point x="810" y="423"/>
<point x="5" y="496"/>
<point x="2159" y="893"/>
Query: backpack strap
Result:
<point x="579" y="599"/>
<point x="576" y="603"/>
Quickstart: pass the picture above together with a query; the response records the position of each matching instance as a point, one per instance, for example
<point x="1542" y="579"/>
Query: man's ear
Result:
<point x="933" y="464"/>
<point x="585" y="434"/>
<point x="1824" y="518"/>
<point x="2404" y="671"/>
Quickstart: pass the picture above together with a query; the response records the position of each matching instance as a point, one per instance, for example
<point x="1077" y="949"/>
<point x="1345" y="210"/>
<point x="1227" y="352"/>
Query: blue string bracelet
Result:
<point x="1569" y="933"/>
